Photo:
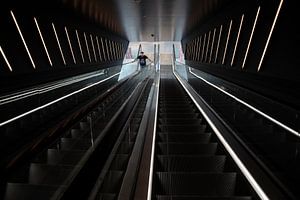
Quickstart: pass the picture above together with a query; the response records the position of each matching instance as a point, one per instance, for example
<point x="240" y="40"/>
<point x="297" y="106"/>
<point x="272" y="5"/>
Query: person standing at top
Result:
<point x="142" y="59"/>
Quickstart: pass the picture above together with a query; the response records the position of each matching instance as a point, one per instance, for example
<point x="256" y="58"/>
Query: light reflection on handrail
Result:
<point x="246" y="104"/>
<point x="41" y="89"/>
<point x="55" y="101"/>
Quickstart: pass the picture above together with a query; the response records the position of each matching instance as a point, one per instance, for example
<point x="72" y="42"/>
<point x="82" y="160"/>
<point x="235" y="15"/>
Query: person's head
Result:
<point x="142" y="53"/>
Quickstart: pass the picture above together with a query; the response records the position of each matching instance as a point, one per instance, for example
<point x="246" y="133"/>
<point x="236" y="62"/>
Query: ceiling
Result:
<point x="148" y="20"/>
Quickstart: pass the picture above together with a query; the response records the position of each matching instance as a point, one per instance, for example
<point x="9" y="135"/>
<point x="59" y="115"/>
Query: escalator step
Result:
<point x="195" y="197"/>
<point x="184" y="138"/>
<point x="207" y="184"/>
<point x="191" y="163"/>
<point x="16" y="191"/>
<point x="182" y="128"/>
<point x="186" y="149"/>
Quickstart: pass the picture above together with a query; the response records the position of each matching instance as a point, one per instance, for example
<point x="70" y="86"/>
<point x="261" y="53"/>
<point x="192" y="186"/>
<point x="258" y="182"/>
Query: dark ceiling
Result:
<point x="137" y="20"/>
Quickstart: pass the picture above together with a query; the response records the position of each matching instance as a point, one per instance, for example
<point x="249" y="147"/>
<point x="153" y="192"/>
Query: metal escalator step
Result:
<point x="184" y="138"/>
<point x="182" y="128"/>
<point x="195" y="197"/>
<point x="186" y="149"/>
<point x="72" y="144"/>
<point x="190" y="163"/>
<point x="55" y="156"/>
<point x="17" y="191"/>
<point x="179" y="115"/>
<point x="204" y="184"/>
<point x="43" y="174"/>
<point x="180" y="121"/>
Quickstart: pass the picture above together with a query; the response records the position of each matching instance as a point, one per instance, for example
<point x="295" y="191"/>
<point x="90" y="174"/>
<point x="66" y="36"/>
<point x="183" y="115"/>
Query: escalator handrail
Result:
<point x="54" y="101"/>
<point x="282" y="125"/>
<point x="59" y="127"/>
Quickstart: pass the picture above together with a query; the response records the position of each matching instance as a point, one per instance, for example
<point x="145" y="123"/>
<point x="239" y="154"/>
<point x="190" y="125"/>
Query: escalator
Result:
<point x="275" y="147"/>
<point x="190" y="162"/>
<point x="111" y="178"/>
<point x="54" y="172"/>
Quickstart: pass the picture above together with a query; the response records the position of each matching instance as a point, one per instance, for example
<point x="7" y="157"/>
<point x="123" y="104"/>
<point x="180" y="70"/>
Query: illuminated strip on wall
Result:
<point x="93" y="46"/>
<point x="237" y="40"/>
<point x="212" y="45"/>
<point x="6" y="61"/>
<point x="196" y="47"/>
<point x="234" y="156"/>
<point x="107" y="50"/>
<point x="98" y="48"/>
<point x="57" y="40"/>
<point x="199" y="49"/>
<point x="23" y="40"/>
<point x="226" y="45"/>
<point x="270" y="34"/>
<point x="110" y="48"/>
<point x="28" y="93"/>
<point x="193" y="49"/>
<point x="42" y="38"/>
<point x="55" y="101"/>
<point x="102" y="44"/>
<point x="250" y="39"/>
<point x="203" y="48"/>
<point x="79" y="43"/>
<point x="218" y="44"/>
<point x="119" y="51"/>
<point x="87" y="46"/>
<point x="207" y="46"/>
<point x="70" y="45"/>
<point x="113" y="50"/>
<point x="249" y="106"/>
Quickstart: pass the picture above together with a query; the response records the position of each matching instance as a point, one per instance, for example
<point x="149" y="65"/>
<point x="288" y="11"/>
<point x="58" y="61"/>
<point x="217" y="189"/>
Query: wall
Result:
<point x="259" y="54"/>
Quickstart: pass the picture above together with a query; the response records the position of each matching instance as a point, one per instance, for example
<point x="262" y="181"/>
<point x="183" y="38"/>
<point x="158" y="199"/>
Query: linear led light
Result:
<point x="149" y="193"/>
<point x="98" y="48"/>
<point x="218" y="44"/>
<point x="107" y="50"/>
<point x="250" y="39"/>
<point x="23" y="40"/>
<point x="7" y="62"/>
<point x="55" y="101"/>
<point x="102" y="44"/>
<point x="212" y="45"/>
<point x="197" y="48"/>
<point x="249" y="106"/>
<point x="207" y="46"/>
<point x="70" y="45"/>
<point x="110" y="49"/>
<point x="42" y="38"/>
<point x="234" y="156"/>
<point x="61" y="52"/>
<point x="79" y="43"/>
<point x="203" y="48"/>
<point x="87" y="46"/>
<point x="41" y="90"/>
<point x="226" y="45"/>
<point x="270" y="34"/>
<point x="93" y="46"/>
<point x="237" y="39"/>
<point x="114" y="49"/>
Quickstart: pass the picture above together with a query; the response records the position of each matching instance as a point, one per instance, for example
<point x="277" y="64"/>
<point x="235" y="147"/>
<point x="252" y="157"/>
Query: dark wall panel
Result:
<point x="271" y="70"/>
